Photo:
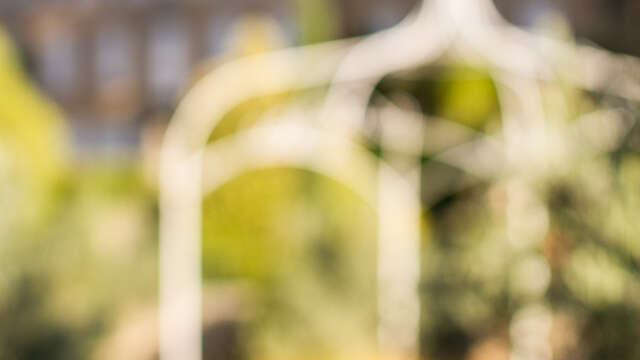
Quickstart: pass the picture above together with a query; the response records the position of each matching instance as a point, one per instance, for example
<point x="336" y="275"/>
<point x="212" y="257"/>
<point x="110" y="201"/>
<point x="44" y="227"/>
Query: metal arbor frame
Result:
<point x="469" y="29"/>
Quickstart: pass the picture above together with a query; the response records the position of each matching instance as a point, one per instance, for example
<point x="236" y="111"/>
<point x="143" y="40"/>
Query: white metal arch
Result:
<point x="291" y="144"/>
<point x="180" y="176"/>
<point x="396" y="200"/>
<point x="518" y="60"/>
<point x="294" y="144"/>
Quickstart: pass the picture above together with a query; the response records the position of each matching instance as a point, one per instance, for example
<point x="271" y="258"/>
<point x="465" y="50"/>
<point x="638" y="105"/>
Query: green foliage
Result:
<point x="317" y="20"/>
<point x="32" y="143"/>
<point x="458" y="92"/>
<point x="69" y="241"/>
<point x="30" y="332"/>
<point x="474" y="279"/>
<point x="466" y="95"/>
<point x="306" y="243"/>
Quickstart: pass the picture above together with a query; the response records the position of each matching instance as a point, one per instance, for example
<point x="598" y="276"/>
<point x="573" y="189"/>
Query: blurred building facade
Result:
<point x="115" y="66"/>
<point x="612" y="24"/>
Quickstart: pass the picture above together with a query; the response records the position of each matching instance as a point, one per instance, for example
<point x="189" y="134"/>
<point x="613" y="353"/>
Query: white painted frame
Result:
<point x="472" y="29"/>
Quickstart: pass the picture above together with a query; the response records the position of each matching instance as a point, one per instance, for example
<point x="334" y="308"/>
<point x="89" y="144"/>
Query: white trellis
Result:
<point x="468" y="29"/>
